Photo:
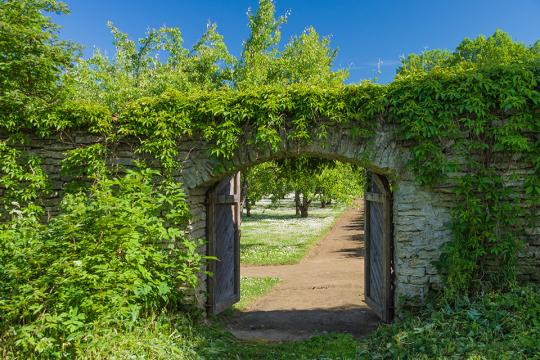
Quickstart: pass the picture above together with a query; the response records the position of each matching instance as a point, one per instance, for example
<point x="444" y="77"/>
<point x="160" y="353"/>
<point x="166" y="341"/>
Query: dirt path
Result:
<point x="323" y="293"/>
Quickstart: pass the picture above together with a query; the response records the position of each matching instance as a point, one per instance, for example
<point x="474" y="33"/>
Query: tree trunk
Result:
<point x="244" y="193"/>
<point x="248" y="207"/>
<point x="323" y="204"/>
<point x="304" y="207"/>
<point x="297" y="202"/>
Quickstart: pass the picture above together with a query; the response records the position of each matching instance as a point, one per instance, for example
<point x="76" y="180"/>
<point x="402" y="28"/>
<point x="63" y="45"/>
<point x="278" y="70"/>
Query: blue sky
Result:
<point x="363" y="31"/>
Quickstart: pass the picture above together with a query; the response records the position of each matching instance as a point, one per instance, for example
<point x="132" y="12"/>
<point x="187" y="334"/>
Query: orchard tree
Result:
<point x="496" y="49"/>
<point x="324" y="180"/>
<point x="152" y="65"/>
<point x="159" y="61"/>
<point x="264" y="180"/>
<point x="305" y="59"/>
<point x="309" y="178"/>
<point x="32" y="58"/>
<point x="340" y="182"/>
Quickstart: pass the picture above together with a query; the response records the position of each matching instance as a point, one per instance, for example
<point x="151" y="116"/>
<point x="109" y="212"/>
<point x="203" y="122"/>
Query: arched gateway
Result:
<point x="403" y="243"/>
<point x="407" y="223"/>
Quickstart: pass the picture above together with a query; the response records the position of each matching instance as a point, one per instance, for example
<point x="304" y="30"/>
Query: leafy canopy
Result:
<point x="497" y="49"/>
<point x="32" y="58"/>
<point x="156" y="63"/>
<point x="116" y="253"/>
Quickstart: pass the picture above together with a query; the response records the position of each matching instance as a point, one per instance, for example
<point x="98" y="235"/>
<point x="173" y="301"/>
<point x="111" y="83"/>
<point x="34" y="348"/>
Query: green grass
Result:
<point x="275" y="236"/>
<point x="222" y="345"/>
<point x="253" y="288"/>
<point x="495" y="326"/>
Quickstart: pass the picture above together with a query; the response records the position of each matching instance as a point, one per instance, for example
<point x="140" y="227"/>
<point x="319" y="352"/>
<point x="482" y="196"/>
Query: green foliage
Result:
<point x="23" y="182"/>
<point x="137" y="70"/>
<point x="466" y="114"/>
<point x="224" y="117"/>
<point x="86" y="163"/>
<point x="31" y="60"/>
<point x="253" y="288"/>
<point x="462" y="113"/>
<point x="340" y="182"/>
<point x="161" y="337"/>
<point x="305" y="59"/>
<point x="264" y="180"/>
<point x="495" y="326"/>
<point x="475" y="112"/>
<point x="159" y="63"/>
<point x="497" y="49"/>
<point x="169" y="337"/>
<point x="483" y="252"/>
<point x="311" y="178"/>
<point x="216" y="343"/>
<point x="92" y="279"/>
<point x="113" y="255"/>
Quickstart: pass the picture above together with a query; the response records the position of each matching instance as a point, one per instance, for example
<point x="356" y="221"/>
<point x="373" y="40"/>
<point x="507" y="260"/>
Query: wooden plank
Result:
<point x="367" y="244"/>
<point x="374" y="197"/>
<point x="238" y="221"/>
<point x="223" y="229"/>
<point x="226" y="199"/>
<point x="378" y="242"/>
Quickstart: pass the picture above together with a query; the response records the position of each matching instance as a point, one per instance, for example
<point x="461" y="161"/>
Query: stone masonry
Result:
<point x="420" y="214"/>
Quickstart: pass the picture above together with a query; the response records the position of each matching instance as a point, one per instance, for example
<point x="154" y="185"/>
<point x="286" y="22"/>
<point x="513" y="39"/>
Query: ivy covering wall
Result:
<point x="470" y="117"/>
<point x="465" y="121"/>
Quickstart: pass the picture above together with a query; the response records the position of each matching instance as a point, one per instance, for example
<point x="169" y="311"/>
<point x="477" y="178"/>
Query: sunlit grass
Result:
<point x="254" y="288"/>
<point x="273" y="236"/>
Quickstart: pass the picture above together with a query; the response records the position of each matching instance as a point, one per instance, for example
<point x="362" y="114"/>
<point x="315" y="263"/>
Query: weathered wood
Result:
<point x="378" y="242"/>
<point x="223" y="216"/>
<point x="375" y="197"/>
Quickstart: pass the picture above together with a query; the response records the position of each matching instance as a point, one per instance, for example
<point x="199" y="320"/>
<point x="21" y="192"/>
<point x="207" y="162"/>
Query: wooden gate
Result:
<point x="378" y="239"/>
<point x="223" y="234"/>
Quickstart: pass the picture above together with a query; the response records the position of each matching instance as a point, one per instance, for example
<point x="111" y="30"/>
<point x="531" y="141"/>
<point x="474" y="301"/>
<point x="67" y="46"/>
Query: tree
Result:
<point x="308" y="177"/>
<point x="264" y="180"/>
<point x="151" y="66"/>
<point x="496" y="49"/>
<point x="159" y="61"/>
<point x="305" y="59"/>
<point x="32" y="58"/>
<point x="340" y="182"/>
<point x="257" y="62"/>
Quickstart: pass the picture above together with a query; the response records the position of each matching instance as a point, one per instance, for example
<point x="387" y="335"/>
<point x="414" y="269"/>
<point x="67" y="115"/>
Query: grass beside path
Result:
<point x="253" y="288"/>
<point x="495" y="326"/>
<point x="276" y="236"/>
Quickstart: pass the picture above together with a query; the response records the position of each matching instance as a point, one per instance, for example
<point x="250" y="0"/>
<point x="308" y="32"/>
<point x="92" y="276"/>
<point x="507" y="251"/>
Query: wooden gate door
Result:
<point x="223" y="233"/>
<point x="378" y="241"/>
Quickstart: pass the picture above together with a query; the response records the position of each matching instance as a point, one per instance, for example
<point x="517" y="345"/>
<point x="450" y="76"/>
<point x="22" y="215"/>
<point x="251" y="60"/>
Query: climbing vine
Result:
<point x="475" y="122"/>
<point x="117" y="253"/>
<point x="466" y="125"/>
<point x="487" y="122"/>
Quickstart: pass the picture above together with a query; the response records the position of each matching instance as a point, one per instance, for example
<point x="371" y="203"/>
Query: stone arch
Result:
<point x="420" y="215"/>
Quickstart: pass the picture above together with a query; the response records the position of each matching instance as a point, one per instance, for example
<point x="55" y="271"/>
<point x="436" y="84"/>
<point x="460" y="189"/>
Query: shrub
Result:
<point x="114" y="254"/>
<point x="499" y="325"/>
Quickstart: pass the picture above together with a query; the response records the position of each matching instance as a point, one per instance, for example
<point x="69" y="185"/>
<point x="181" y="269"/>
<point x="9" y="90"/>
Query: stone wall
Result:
<point x="420" y="214"/>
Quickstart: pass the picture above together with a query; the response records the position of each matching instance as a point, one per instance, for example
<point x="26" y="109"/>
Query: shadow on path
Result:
<point x="284" y="325"/>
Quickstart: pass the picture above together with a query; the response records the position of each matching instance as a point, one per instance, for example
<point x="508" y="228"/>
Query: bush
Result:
<point x="114" y="255"/>
<point x="496" y="326"/>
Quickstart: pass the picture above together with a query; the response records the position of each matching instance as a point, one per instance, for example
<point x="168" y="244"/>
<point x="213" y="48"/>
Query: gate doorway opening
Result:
<point x="343" y="283"/>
